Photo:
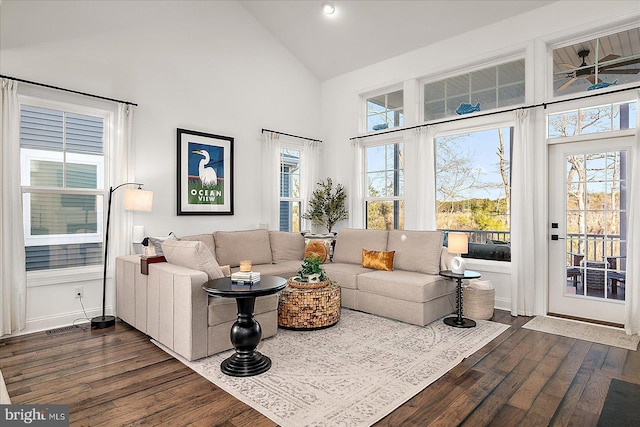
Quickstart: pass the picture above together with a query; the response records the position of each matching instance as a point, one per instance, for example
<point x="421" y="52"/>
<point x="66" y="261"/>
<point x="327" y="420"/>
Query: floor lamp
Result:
<point x="134" y="200"/>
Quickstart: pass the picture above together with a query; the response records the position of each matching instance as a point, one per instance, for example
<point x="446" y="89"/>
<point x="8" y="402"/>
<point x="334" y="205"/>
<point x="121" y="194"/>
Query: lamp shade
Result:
<point x="138" y="199"/>
<point x="458" y="243"/>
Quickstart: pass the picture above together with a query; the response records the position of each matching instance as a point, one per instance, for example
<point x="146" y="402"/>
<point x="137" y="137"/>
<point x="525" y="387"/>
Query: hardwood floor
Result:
<point x="116" y="377"/>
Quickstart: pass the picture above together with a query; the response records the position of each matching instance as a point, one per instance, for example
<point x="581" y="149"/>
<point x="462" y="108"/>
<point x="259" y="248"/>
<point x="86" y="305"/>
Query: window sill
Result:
<point x="502" y="267"/>
<point x="63" y="276"/>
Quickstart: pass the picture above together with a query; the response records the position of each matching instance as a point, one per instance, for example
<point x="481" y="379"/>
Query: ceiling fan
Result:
<point x="588" y="72"/>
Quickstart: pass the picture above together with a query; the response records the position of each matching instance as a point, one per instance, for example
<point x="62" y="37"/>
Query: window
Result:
<point x="62" y="176"/>
<point x="384" y="200"/>
<point x="583" y="121"/>
<point x="385" y="111"/>
<point x="597" y="63"/>
<point x="493" y="87"/>
<point x="473" y="189"/>
<point x="289" y="189"/>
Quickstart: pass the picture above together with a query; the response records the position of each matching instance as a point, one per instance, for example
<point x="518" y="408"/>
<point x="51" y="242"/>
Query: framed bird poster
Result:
<point x="205" y="173"/>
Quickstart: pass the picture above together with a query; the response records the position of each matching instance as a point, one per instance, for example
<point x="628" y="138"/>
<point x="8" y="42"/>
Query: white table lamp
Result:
<point x="458" y="244"/>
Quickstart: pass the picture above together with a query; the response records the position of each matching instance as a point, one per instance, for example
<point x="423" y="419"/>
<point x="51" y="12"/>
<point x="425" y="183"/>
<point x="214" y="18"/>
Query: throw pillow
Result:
<point x="378" y="259"/>
<point x="317" y="248"/>
<point x="192" y="254"/>
<point x="156" y="242"/>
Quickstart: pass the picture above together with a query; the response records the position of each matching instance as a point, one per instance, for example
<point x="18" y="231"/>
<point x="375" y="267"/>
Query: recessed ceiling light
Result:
<point x="328" y="7"/>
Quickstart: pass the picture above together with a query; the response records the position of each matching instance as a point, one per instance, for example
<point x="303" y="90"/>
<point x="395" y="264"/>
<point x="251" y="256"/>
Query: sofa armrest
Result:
<point x="177" y="312"/>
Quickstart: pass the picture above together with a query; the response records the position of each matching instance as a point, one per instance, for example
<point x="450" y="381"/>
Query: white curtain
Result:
<point x="271" y="180"/>
<point x="632" y="285"/>
<point x="121" y="166"/>
<point x="522" y="214"/>
<point x="13" y="276"/>
<point x="309" y="158"/>
<point x="426" y="171"/>
<point x="356" y="199"/>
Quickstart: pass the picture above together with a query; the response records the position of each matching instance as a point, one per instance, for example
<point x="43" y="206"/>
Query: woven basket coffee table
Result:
<point x="308" y="309"/>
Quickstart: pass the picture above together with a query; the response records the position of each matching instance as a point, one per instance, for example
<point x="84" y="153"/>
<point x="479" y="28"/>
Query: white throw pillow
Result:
<point x="156" y="242"/>
<point x="192" y="254"/>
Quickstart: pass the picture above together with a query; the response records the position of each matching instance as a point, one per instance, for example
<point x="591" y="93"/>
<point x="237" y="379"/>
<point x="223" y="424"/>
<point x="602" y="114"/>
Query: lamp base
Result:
<point x="101" y="322"/>
<point x="458" y="265"/>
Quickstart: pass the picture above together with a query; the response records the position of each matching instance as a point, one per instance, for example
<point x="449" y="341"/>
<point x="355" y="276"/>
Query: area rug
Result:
<point x="621" y="405"/>
<point x="352" y="374"/>
<point x="584" y="331"/>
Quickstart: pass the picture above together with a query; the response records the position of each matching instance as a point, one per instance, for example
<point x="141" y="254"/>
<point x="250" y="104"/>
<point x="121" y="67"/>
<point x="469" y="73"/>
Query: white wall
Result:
<point x="205" y="66"/>
<point x="342" y="110"/>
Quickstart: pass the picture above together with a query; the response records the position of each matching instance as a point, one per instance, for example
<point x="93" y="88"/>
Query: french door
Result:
<point x="588" y="193"/>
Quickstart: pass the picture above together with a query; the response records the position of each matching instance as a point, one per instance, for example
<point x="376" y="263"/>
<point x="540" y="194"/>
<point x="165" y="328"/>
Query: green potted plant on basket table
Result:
<point x="327" y="205"/>
<point x="310" y="275"/>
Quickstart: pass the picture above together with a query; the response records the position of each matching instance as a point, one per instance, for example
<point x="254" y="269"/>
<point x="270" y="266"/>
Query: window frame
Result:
<point x="299" y="147"/>
<point x="496" y="121"/>
<point x="379" y="142"/>
<point x="49" y="276"/>
<point x="384" y="91"/>
<point x="518" y="56"/>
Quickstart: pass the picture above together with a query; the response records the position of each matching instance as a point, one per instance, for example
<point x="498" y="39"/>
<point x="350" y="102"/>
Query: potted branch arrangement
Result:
<point x="310" y="275"/>
<point x="327" y="205"/>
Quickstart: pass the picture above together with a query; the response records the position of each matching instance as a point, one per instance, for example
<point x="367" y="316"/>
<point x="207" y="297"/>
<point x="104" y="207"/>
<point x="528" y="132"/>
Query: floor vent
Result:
<point x="63" y="330"/>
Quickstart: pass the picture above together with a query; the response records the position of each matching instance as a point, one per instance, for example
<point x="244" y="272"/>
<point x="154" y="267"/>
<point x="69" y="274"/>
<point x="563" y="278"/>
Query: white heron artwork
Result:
<point x="207" y="175"/>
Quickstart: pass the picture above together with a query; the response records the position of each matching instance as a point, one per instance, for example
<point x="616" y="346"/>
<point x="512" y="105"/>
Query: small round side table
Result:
<point x="458" y="321"/>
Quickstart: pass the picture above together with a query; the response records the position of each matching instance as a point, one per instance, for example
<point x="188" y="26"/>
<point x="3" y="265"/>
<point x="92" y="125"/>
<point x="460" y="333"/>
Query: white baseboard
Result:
<point x="502" y="304"/>
<point x="58" y="321"/>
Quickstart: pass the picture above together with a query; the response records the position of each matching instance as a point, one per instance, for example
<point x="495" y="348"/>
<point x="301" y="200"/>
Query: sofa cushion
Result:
<point x="192" y="254"/>
<point x="284" y="269"/>
<point x="351" y="241"/>
<point x="286" y="246"/>
<point x="207" y="239"/>
<point x="378" y="260"/>
<point x="416" y="250"/>
<point x="233" y="246"/>
<point x="405" y="285"/>
<point x="344" y="273"/>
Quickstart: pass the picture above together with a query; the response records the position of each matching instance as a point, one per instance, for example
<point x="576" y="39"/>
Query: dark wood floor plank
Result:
<point x="117" y="377"/>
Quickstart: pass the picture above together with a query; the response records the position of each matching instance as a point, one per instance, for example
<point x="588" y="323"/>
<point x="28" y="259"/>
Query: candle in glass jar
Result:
<point x="245" y="265"/>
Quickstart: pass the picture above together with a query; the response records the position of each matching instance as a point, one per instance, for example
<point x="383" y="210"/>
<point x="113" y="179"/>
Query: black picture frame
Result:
<point x="205" y="173"/>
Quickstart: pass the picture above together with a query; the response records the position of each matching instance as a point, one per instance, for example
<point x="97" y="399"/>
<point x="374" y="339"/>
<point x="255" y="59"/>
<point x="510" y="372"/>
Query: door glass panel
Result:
<point x="596" y="226"/>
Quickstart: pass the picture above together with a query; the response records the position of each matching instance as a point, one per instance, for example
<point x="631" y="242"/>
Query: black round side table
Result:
<point x="246" y="331"/>
<point x="458" y="321"/>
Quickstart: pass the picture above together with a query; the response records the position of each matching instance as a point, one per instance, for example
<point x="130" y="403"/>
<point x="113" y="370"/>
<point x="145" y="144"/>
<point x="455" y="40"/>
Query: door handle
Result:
<point x="556" y="237"/>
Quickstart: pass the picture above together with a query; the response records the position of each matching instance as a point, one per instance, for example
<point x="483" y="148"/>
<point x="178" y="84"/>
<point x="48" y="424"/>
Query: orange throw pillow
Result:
<point x="316" y="248"/>
<point x="378" y="259"/>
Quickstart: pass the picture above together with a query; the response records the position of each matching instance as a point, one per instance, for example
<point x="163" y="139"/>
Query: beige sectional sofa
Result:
<point x="170" y="306"/>
<point x="413" y="292"/>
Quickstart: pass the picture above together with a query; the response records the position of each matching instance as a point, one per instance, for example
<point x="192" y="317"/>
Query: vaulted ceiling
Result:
<point x="361" y="33"/>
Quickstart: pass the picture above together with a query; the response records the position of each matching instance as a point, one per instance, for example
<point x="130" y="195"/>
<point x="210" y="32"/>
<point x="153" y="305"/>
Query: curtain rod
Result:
<point x="288" y="134"/>
<point x="525" y="107"/>
<point x="67" y="90"/>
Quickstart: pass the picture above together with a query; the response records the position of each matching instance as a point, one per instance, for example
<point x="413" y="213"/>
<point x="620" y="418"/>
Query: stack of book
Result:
<point x="245" y="277"/>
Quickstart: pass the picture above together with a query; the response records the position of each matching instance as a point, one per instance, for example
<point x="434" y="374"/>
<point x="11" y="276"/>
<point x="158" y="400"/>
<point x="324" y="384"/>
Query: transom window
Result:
<point x="486" y="89"/>
<point x="385" y="111"/>
<point x="62" y="177"/>
<point x="597" y="63"/>
<point x="583" y="121"/>
<point x="473" y="189"/>
<point x="384" y="200"/>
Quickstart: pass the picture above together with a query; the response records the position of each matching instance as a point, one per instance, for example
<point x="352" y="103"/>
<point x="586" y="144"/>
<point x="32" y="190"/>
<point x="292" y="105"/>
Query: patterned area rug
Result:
<point x="584" y="331"/>
<point x="352" y="374"/>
